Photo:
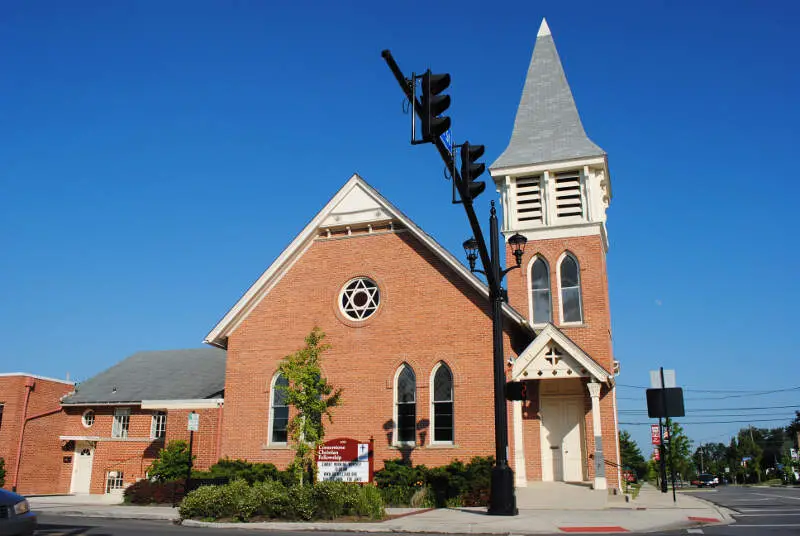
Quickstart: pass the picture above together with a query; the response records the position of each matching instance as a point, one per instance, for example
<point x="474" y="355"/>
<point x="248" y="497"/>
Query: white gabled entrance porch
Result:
<point x="550" y="428"/>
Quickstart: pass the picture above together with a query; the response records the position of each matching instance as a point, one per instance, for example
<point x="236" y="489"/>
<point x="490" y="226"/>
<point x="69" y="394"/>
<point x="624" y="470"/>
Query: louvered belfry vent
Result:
<point x="529" y="199"/>
<point x="568" y="194"/>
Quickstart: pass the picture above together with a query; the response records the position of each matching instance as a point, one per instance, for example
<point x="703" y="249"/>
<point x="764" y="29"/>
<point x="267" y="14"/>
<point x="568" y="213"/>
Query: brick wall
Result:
<point x="41" y="450"/>
<point x="427" y="314"/>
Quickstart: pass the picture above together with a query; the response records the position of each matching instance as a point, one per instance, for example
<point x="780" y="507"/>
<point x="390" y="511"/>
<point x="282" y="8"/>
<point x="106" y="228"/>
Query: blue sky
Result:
<point x="155" y="157"/>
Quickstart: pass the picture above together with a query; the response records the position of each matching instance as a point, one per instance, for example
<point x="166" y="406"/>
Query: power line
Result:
<point x="635" y="413"/>
<point x="740" y="392"/>
<point x="708" y="422"/>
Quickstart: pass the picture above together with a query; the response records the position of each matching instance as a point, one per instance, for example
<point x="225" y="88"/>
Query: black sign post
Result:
<point x="665" y="402"/>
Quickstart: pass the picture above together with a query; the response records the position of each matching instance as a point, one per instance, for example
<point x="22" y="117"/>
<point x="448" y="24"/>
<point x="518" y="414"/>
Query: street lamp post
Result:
<point x="503" y="500"/>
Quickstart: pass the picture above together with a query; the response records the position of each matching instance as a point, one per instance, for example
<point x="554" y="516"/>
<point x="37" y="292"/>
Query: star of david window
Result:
<point x="360" y="298"/>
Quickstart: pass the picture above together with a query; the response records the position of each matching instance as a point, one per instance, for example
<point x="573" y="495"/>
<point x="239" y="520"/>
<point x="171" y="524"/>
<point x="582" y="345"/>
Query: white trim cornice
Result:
<point x="236" y="315"/>
<point x="189" y="403"/>
<point x="578" y="163"/>
<point x="36" y="376"/>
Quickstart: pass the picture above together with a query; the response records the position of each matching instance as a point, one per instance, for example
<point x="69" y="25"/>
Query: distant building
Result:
<point x="103" y="436"/>
<point x="30" y="411"/>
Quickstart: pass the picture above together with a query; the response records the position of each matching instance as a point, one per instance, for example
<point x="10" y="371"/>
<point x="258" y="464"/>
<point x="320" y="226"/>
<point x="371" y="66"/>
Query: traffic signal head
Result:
<point x="434" y="124"/>
<point x="471" y="170"/>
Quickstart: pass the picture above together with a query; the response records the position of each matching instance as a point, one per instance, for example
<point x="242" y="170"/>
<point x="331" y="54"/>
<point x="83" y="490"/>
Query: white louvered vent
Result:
<point x="568" y="194"/>
<point x="529" y="199"/>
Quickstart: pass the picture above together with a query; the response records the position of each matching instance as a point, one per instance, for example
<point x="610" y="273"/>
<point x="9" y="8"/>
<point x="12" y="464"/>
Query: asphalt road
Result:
<point x="757" y="510"/>
<point x="50" y="525"/>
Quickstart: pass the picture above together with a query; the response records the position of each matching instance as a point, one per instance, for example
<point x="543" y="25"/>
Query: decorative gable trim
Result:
<point x="534" y="359"/>
<point x="355" y="203"/>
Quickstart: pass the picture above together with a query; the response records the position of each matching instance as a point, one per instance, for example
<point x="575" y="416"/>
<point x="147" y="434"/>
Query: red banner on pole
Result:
<point x="655" y="438"/>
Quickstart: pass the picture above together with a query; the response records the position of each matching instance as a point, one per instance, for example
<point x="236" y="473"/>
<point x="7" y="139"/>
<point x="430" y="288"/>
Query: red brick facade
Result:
<point x="428" y="314"/>
<point x="40" y="449"/>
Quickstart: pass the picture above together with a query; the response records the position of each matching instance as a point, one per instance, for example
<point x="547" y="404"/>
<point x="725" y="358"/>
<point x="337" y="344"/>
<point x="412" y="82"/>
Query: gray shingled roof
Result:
<point x="547" y="127"/>
<point x="159" y="375"/>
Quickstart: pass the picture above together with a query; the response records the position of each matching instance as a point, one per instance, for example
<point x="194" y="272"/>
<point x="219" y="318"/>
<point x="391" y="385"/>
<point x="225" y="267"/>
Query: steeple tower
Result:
<point x="551" y="176"/>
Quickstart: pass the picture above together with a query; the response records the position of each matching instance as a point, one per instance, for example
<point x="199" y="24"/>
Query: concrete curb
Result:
<point x="347" y="527"/>
<point x="149" y="516"/>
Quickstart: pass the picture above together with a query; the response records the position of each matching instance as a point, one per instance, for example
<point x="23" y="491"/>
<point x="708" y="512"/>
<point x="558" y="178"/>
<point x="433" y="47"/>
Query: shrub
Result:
<point x="301" y="503"/>
<point x="456" y="483"/>
<point x="368" y="502"/>
<point x="400" y="473"/>
<point x="172" y="462"/>
<point x="270" y="499"/>
<point x="146" y="492"/>
<point x="241" y="469"/>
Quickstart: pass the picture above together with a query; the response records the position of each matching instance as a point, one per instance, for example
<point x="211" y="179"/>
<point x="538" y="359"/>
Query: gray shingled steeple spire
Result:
<point x="547" y="127"/>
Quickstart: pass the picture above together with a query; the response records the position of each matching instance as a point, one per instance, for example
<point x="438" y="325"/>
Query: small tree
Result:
<point x="312" y="397"/>
<point x="172" y="462"/>
<point x="631" y="455"/>
<point x="2" y="472"/>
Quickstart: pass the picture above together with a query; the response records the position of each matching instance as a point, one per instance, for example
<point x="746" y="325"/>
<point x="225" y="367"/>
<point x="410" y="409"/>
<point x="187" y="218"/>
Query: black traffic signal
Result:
<point x="516" y="391"/>
<point x="434" y="124"/>
<point x="471" y="170"/>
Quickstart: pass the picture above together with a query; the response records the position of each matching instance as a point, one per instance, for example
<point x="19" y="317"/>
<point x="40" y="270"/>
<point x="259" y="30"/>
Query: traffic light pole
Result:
<point x="502" y="500"/>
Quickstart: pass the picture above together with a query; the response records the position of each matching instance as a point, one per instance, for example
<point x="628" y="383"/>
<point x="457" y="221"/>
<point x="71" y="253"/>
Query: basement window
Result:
<point x="568" y="194"/>
<point x="529" y="199"/>
<point x="114" y="481"/>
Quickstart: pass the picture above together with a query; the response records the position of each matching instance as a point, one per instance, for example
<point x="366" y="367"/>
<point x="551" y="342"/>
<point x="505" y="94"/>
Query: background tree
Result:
<point x="680" y="451"/>
<point x="312" y="397"/>
<point x="631" y="455"/>
<point x="794" y="427"/>
<point x="711" y="458"/>
<point x="748" y="447"/>
<point x="172" y="462"/>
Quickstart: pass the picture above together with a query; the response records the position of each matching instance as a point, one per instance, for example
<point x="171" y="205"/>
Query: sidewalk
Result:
<point x="650" y="512"/>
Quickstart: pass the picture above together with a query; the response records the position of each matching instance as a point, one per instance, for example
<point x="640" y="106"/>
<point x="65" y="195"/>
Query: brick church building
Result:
<point x="409" y="325"/>
<point x="410" y="333"/>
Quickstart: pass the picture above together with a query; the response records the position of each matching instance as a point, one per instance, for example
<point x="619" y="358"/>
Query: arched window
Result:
<point x="570" y="279"/>
<point x="406" y="406"/>
<point x="540" y="291"/>
<point x="442" y="404"/>
<point x="279" y="410"/>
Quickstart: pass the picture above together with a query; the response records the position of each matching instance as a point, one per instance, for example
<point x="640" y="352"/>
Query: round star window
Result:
<point x="360" y="298"/>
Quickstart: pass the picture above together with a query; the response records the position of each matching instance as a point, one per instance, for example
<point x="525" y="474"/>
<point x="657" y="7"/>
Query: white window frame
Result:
<point x="395" y="441"/>
<point x="115" y="480"/>
<point x="271" y="419"/>
<point x="121" y="423"/>
<point x="561" y="293"/>
<point x="158" y="422"/>
<point x="85" y="418"/>
<point x="432" y="391"/>
<point x="531" y="307"/>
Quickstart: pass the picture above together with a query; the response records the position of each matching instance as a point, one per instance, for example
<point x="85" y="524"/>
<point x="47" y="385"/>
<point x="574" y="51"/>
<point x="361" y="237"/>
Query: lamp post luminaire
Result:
<point x="503" y="500"/>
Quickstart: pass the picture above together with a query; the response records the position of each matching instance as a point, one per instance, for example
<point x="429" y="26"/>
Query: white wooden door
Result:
<point x="562" y="458"/>
<point x="571" y="442"/>
<point x="82" y="467"/>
